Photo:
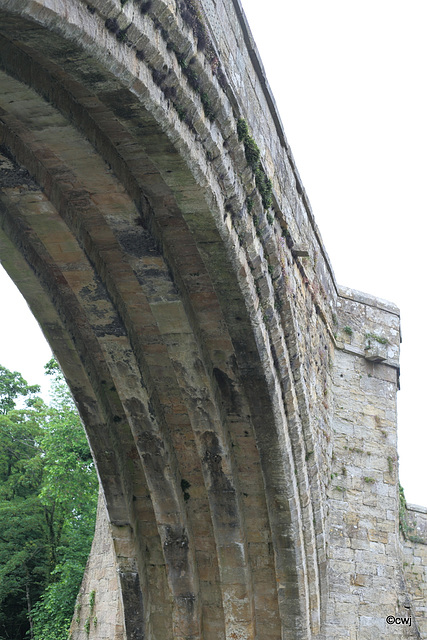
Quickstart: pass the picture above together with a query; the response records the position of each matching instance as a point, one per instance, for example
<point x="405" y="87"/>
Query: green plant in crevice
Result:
<point x="278" y="303"/>
<point x="348" y="331"/>
<point x="207" y="106"/>
<point x="192" y="77"/>
<point x="242" y="129"/>
<point x="194" y="82"/>
<point x="193" y="17"/>
<point x="265" y="187"/>
<point x="252" y="154"/>
<point x="87" y="626"/>
<point x="182" y="113"/>
<point x="404" y="527"/>
<point x="92" y="600"/>
<point x="121" y="35"/>
<point x="377" y="338"/>
<point x="403" y="523"/>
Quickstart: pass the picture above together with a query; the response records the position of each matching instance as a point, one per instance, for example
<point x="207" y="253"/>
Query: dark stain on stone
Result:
<point x="151" y="410"/>
<point x="138" y="243"/>
<point x="16" y="176"/>
<point x="151" y="272"/>
<point x="152" y="450"/>
<point x="228" y="393"/>
<point x="94" y="77"/>
<point x="124" y="112"/>
<point x="136" y="408"/>
<point x="133" y="605"/>
<point x="186" y="603"/>
<point x="150" y="444"/>
<point x="112" y="25"/>
<point x="184" y="486"/>
<point x="114" y="328"/>
<point x="176" y="548"/>
<point x="213" y="460"/>
<point x="133" y="455"/>
<point x="95" y="292"/>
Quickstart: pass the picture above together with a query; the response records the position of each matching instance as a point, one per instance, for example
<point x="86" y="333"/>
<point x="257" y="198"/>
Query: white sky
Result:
<point x="349" y="79"/>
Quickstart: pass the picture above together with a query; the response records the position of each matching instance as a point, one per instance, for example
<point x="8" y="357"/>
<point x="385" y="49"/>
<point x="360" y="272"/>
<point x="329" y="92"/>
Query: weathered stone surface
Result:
<point x="239" y="404"/>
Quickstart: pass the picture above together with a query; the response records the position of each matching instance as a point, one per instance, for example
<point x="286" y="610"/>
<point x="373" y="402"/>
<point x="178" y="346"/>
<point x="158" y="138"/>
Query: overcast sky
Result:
<point x="349" y="81"/>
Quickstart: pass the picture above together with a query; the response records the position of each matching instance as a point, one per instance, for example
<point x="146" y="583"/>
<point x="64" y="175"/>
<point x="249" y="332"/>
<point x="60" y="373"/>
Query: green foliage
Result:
<point x="182" y="113"/>
<point x="12" y="386"/>
<point x="242" y="129"/>
<point x="52" y="614"/>
<point x="252" y="154"/>
<point x="404" y="526"/>
<point x="207" y="106"/>
<point x="48" y="494"/>
<point x="265" y="187"/>
<point x="377" y="338"/>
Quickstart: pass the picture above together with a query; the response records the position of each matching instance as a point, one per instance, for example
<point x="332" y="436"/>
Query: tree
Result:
<point x="48" y="496"/>
<point x="13" y="385"/>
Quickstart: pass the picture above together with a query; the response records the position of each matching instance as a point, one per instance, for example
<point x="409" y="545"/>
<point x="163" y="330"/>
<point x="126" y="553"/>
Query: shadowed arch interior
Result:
<point x="119" y="243"/>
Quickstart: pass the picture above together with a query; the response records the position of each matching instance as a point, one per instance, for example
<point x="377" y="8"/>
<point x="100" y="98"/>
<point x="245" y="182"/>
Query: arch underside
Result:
<point x="118" y="241"/>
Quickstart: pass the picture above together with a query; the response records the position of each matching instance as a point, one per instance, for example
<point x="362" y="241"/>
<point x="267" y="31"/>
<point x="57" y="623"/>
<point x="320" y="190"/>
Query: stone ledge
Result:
<point x="368" y="299"/>
<point x="356" y="351"/>
<point x="416" y="507"/>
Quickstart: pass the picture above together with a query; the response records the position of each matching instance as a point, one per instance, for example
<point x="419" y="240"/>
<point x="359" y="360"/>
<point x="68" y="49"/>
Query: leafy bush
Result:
<point x="48" y="497"/>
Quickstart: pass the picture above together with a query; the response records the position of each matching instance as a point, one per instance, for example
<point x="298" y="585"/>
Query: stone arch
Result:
<point x="117" y="226"/>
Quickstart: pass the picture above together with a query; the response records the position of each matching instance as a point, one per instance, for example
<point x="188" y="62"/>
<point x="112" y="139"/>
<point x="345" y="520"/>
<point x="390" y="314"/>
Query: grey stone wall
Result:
<point x="414" y="557"/>
<point x="99" y="610"/>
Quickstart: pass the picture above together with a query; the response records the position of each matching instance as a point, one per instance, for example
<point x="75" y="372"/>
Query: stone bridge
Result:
<point x="240" y="405"/>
